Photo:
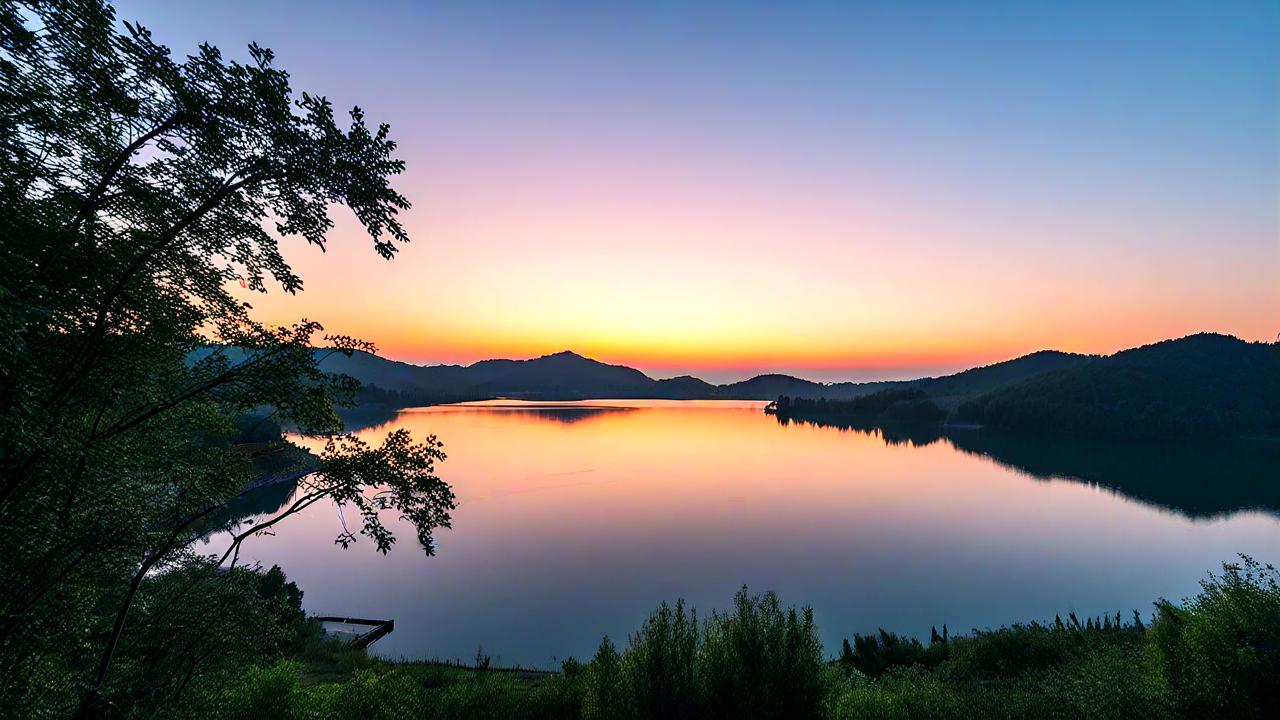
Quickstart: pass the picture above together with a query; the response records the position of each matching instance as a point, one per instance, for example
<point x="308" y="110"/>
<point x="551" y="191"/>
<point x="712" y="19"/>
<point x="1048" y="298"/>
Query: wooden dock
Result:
<point x="377" y="628"/>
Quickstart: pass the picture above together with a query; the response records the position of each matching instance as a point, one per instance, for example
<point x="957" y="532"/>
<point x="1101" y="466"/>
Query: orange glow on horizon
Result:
<point x="819" y="190"/>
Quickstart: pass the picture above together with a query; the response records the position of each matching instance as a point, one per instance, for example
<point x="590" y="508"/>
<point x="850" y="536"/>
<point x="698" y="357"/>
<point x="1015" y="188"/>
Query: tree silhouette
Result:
<point x="138" y="191"/>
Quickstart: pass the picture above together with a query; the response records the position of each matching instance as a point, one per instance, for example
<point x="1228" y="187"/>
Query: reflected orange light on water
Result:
<point x="575" y="519"/>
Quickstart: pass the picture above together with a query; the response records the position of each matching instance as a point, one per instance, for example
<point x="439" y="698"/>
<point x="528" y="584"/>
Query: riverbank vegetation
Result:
<point x="1215" y="655"/>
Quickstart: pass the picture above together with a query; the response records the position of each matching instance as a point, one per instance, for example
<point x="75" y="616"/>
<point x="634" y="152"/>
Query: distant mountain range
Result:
<point x="569" y="376"/>
<point x="1205" y="385"/>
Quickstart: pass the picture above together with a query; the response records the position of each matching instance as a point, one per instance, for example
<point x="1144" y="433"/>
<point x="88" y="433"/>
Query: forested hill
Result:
<point x="1205" y="385"/>
<point x="950" y="390"/>
<point x="560" y="376"/>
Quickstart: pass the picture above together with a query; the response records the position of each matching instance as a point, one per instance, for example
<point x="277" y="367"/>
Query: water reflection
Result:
<point x="569" y="530"/>
<point x="362" y="418"/>
<point x="1201" y="480"/>
<point x="259" y="502"/>
<point x="1198" y="480"/>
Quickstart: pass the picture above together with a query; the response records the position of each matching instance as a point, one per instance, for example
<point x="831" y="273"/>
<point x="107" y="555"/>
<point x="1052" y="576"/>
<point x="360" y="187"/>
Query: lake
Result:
<point x="576" y="519"/>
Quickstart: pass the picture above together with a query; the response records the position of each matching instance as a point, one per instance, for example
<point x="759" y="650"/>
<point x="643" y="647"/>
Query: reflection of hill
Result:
<point x="262" y="501"/>
<point x="1199" y="480"/>
<point x="363" y="418"/>
<point x="564" y="415"/>
<point x="561" y="414"/>
<point x="1195" y="479"/>
<point x="907" y="434"/>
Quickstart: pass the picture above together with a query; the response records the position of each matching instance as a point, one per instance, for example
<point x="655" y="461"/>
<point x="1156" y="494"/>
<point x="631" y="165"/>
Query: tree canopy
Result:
<point x="138" y="190"/>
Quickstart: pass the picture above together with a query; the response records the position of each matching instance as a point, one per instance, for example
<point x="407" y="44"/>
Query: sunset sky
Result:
<point x="837" y="190"/>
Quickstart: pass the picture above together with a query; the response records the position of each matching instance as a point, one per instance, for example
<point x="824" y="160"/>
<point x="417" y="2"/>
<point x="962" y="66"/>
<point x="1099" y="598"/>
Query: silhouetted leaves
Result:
<point x="138" y="192"/>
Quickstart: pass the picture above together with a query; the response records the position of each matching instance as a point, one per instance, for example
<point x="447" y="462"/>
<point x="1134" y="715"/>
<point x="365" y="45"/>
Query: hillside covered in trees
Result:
<point x="1200" y="386"/>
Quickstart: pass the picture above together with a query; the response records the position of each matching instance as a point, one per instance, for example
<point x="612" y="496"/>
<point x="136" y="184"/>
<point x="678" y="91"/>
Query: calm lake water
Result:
<point x="576" y="519"/>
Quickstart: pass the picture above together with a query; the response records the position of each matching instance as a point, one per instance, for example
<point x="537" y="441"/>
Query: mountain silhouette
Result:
<point x="567" y="375"/>
<point x="1198" y="387"/>
<point x="1204" y="385"/>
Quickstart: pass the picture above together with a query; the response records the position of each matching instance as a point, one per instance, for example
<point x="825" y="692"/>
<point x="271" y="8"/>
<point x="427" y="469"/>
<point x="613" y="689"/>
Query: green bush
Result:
<point x="1220" y="653"/>
<point x="369" y="695"/>
<point x="872" y="655"/>
<point x="659" y="664"/>
<point x="315" y="702"/>
<point x="760" y="661"/>
<point x="903" y="692"/>
<point x="1109" y="682"/>
<point x="606" y="691"/>
<point x="261" y="692"/>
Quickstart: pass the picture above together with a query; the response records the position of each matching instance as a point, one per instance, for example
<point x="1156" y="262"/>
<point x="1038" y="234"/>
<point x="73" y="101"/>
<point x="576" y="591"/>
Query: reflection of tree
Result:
<point x="1198" y="480"/>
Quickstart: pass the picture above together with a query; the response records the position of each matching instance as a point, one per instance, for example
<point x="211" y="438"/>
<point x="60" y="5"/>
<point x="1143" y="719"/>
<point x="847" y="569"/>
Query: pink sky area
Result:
<point x="835" y="190"/>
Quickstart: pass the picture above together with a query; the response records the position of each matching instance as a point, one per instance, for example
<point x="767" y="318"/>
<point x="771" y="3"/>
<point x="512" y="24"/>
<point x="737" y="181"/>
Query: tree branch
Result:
<point x="224" y="378"/>
<point x="94" y="196"/>
<point x="117" y="628"/>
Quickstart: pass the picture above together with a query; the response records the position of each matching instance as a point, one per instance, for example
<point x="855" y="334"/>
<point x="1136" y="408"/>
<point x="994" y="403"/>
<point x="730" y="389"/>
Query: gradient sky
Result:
<point x="838" y="190"/>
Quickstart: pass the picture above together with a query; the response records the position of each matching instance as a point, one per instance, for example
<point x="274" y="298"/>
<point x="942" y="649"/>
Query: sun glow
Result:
<point x="817" y="197"/>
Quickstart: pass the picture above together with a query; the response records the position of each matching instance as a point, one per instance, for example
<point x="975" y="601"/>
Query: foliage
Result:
<point x="1018" y="648"/>
<point x="255" y="428"/>
<point x="605" y="695"/>
<point x="872" y="655"/>
<point x="760" y="661"/>
<point x="891" y="407"/>
<point x="660" y="663"/>
<point x="136" y="191"/>
<point x="757" y="661"/>
<point x="1221" y="650"/>
<point x="1209" y="659"/>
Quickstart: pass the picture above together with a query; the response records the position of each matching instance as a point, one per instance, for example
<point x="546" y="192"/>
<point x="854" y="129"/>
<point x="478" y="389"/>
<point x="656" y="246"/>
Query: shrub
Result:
<point x="659" y="664"/>
<point x="369" y="695"/>
<point x="872" y="655"/>
<point x="605" y="686"/>
<point x="261" y="692"/>
<point x="904" y="692"/>
<point x="1107" y="682"/>
<point x="760" y="661"/>
<point x="1220" y="654"/>
<point x="1019" y="648"/>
